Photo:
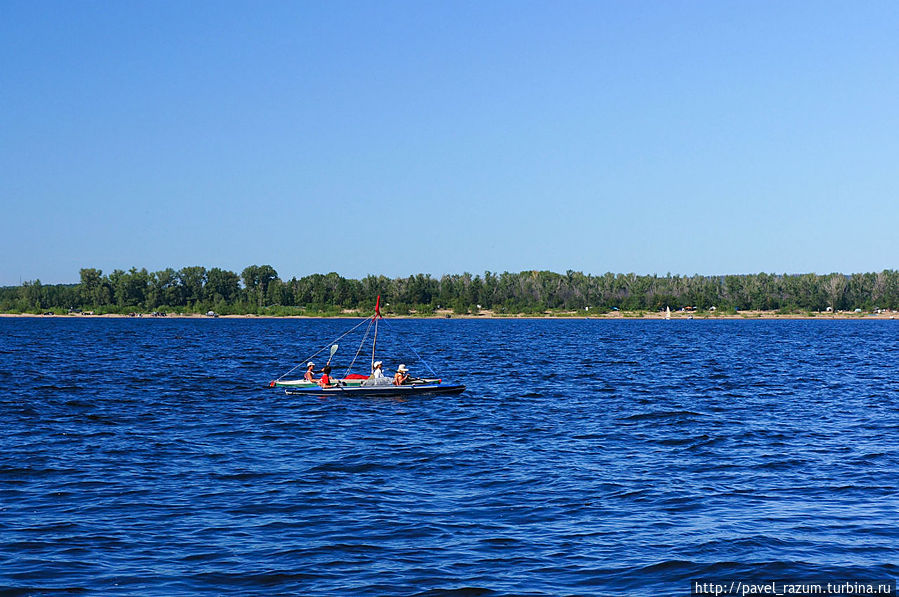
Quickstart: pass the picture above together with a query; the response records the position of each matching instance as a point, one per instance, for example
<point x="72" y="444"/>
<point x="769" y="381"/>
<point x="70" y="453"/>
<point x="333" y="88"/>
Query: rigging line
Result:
<point x="316" y="353"/>
<point x="358" y="352"/>
<point x="434" y="373"/>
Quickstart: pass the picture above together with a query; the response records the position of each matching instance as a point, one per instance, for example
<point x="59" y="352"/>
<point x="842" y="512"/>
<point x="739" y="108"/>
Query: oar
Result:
<point x="333" y="350"/>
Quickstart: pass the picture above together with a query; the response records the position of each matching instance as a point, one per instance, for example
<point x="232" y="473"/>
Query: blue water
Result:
<point x="148" y="457"/>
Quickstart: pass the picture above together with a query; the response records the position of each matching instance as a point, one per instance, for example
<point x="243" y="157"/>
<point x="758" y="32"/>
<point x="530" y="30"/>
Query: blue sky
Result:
<point x="440" y="137"/>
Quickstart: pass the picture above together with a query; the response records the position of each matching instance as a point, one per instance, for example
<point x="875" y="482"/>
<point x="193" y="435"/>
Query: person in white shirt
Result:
<point x="377" y="371"/>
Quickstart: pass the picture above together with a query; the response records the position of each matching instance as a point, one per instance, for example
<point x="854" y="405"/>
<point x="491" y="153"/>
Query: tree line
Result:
<point x="258" y="289"/>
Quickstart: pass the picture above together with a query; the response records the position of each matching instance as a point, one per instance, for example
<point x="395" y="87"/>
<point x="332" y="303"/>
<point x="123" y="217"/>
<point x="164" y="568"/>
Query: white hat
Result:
<point x="378" y="364"/>
<point x="401" y="368"/>
<point x="310" y="364"/>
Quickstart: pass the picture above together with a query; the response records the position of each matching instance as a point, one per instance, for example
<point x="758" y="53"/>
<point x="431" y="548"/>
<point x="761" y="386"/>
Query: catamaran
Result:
<point x="357" y="384"/>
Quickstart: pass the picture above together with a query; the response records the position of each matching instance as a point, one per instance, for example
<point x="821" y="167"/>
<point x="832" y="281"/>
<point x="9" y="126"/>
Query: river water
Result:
<point x="149" y="457"/>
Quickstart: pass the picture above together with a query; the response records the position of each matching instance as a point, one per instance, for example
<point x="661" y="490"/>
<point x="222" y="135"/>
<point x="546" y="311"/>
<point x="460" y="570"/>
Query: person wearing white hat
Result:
<point x="402" y="375"/>
<point x="377" y="371"/>
<point x="309" y="376"/>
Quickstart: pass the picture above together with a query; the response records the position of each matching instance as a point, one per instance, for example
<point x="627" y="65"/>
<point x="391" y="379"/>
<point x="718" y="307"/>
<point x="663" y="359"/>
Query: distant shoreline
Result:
<point x="613" y="316"/>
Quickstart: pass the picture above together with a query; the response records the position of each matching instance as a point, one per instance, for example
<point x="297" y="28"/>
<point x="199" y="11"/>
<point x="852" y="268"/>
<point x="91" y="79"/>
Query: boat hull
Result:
<point x="300" y="384"/>
<point x="380" y="391"/>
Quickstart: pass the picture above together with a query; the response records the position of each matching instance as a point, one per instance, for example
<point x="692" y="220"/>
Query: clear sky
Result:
<point x="441" y="137"/>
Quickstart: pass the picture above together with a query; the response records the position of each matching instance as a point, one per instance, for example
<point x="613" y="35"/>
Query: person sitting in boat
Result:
<point x="377" y="371"/>
<point x="402" y="376"/>
<point x="325" y="380"/>
<point x="310" y="373"/>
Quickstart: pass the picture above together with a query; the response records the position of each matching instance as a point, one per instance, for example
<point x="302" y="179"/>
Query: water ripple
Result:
<point x="146" y="457"/>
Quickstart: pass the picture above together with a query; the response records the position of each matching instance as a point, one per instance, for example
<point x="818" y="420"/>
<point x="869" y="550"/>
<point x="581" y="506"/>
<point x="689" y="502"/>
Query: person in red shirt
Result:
<point x="325" y="380"/>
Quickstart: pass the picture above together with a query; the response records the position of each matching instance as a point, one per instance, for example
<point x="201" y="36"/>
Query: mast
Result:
<point x="375" y="318"/>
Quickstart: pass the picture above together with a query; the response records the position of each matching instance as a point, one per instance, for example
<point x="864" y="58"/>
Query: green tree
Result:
<point x="165" y="289"/>
<point x="835" y="287"/>
<point x="256" y="279"/>
<point x="94" y="289"/>
<point x="32" y="295"/>
<point x="130" y="289"/>
<point x="222" y="286"/>
<point x="193" y="281"/>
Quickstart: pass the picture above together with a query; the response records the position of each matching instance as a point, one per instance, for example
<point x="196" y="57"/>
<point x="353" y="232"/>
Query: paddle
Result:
<point x="333" y="350"/>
